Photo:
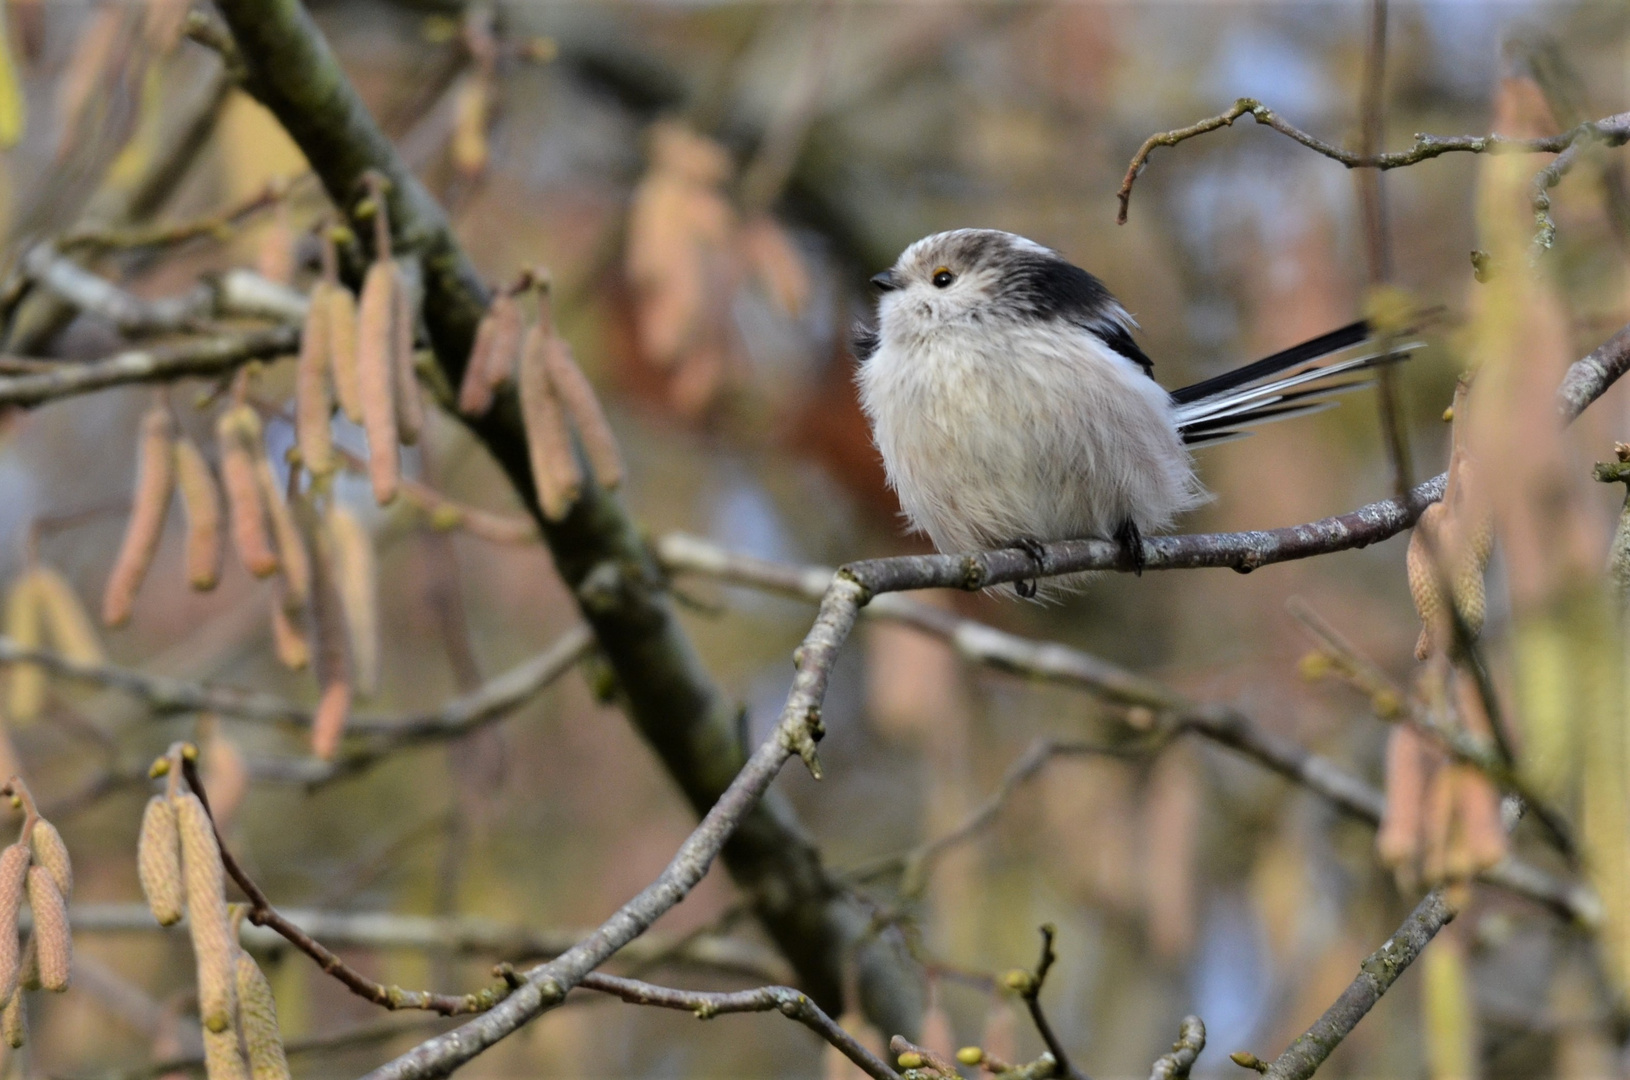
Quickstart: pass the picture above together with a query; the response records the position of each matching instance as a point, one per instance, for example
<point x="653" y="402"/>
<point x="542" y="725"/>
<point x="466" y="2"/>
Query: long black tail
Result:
<point x="1293" y="382"/>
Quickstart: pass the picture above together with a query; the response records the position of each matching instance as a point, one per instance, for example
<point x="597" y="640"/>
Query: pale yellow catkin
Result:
<point x="312" y="401"/>
<point x="51" y="853"/>
<point x="257" y="1013"/>
<point x="66" y="623"/>
<point x="239" y="433"/>
<point x="356" y="580"/>
<point x="405" y="382"/>
<point x="52" y="939"/>
<point x="25" y="683"/>
<point x="201" y="500"/>
<point x="213" y="943"/>
<point x="158" y="861"/>
<point x="223" y="1057"/>
<point x="376" y="380"/>
<point x="556" y="476"/>
<point x="13" y="880"/>
<point x="342" y="334"/>
<point x="14" y="1022"/>
<point x="150" y="503"/>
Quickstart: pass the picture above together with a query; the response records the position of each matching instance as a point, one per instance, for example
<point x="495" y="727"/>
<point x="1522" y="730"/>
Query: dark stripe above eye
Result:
<point x="1044" y="286"/>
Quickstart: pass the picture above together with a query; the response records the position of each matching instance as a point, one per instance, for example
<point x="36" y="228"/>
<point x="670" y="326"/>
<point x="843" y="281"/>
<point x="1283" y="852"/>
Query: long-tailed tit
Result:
<point x="1012" y="406"/>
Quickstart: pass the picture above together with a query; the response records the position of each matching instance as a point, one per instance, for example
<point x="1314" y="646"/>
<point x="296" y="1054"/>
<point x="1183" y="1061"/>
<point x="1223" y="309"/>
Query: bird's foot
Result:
<point x="1038" y="555"/>
<point x="1131" y="541"/>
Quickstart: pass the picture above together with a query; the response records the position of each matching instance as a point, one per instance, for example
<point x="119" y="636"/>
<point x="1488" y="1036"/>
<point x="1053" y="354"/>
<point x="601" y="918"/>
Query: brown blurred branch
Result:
<point x="1191" y="1039"/>
<point x="598" y="550"/>
<point x="914" y="864"/>
<point x="1375" y="977"/>
<point x="466" y="935"/>
<point x="496" y="698"/>
<point x="1611" y="130"/>
<point x="1173" y="714"/>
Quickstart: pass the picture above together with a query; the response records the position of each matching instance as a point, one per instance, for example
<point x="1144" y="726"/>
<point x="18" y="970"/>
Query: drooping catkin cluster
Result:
<point x="327" y="368"/>
<point x="264" y="532"/>
<point x="179" y="860"/>
<point x="36" y="866"/>
<point x="168" y="460"/>
<point x="556" y="397"/>
<point x="1442" y="817"/>
<point x="388" y="390"/>
<point x="44" y="612"/>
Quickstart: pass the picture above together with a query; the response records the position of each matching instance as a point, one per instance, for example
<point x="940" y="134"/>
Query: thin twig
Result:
<point x="215" y="355"/>
<point x="1029" y="984"/>
<point x="783" y="999"/>
<point x="262" y="913"/>
<point x="1191" y="1039"/>
<point x="1611" y="130"/>
<point x="1375" y="977"/>
<point x="458" y="716"/>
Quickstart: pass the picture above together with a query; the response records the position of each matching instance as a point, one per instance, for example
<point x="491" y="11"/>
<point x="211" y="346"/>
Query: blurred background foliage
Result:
<point x="709" y="186"/>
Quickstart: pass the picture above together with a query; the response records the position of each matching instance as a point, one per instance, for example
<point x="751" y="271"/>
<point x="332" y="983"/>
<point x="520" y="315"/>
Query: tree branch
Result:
<point x="1191" y="1039"/>
<point x="598" y="550"/>
<point x="1612" y="131"/>
<point x="1054" y="662"/>
<point x="215" y="355"/>
<point x="466" y="935"/>
<point x="1375" y="977"/>
<point x="783" y="999"/>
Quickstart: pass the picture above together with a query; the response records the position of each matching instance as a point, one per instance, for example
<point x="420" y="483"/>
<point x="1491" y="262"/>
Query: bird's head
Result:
<point x="986" y="277"/>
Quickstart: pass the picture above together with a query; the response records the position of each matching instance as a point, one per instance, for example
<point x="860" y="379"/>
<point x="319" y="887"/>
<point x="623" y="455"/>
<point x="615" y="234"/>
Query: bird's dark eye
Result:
<point x="943" y="277"/>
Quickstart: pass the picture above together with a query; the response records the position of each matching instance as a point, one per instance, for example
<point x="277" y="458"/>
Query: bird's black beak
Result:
<point x="886" y="281"/>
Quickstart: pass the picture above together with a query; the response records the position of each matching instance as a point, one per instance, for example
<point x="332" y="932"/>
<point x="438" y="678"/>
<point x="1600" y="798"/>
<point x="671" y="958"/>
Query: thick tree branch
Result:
<point x="598" y="550"/>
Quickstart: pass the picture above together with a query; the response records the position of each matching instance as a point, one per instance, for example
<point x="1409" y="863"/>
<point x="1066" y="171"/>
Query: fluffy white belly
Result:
<point x="1040" y="434"/>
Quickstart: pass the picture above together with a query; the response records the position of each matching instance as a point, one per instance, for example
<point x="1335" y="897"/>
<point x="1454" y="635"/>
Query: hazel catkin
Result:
<point x="574" y="391"/>
<point x="51" y="853"/>
<point x="312" y="400"/>
<point x="257" y="1013"/>
<point x="52" y="939"/>
<point x="556" y="475"/>
<point x="158" y="861"/>
<point x="201" y="500"/>
<point x="238" y="430"/>
<point x="13" y="880"/>
<point x="342" y="349"/>
<point x="376" y="378"/>
<point x="212" y="940"/>
<point x="155" y="480"/>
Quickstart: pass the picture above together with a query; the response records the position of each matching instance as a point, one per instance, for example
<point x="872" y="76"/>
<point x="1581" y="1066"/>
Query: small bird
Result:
<point x="1012" y="406"/>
